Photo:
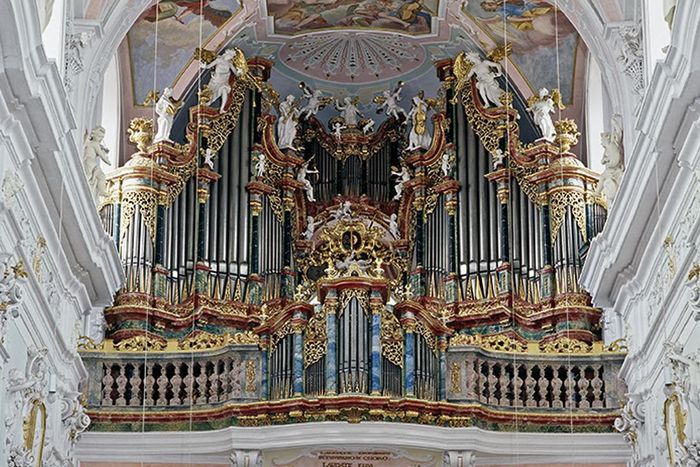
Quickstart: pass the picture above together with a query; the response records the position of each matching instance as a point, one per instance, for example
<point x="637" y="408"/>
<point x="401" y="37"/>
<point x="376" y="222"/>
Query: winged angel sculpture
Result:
<point x="230" y="61"/>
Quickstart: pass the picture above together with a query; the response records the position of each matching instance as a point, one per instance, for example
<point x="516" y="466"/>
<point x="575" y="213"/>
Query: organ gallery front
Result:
<point x="292" y="257"/>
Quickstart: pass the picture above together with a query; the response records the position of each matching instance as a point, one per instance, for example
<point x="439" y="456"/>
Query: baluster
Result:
<point x="148" y="384"/>
<point x="583" y="387"/>
<point x="188" y="382"/>
<point x="135" y="383"/>
<point x="483" y="382"/>
<point x="570" y="388"/>
<point x="492" y="380"/>
<point x="503" y="383"/>
<point x="107" y="383"/>
<point x="530" y="383"/>
<point x="162" y="382"/>
<point x="201" y="394"/>
<point x="543" y="386"/>
<point x="517" y="387"/>
<point x="597" y="384"/>
<point x="471" y="379"/>
<point x="121" y="385"/>
<point x="213" y="391"/>
<point x="556" y="389"/>
<point x="176" y="384"/>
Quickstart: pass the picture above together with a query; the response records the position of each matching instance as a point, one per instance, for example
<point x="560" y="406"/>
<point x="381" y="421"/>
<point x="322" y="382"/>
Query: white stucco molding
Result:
<point x="216" y="446"/>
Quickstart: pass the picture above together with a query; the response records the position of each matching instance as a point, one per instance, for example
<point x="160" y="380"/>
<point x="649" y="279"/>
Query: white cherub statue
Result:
<point x="209" y="158"/>
<point x="542" y="106"/>
<point x="338" y="130"/>
<point x="403" y="177"/>
<point x="94" y="152"/>
<point x="489" y="89"/>
<point x="446" y="164"/>
<point x="287" y="123"/>
<point x="166" y="108"/>
<point x="394" y="225"/>
<point x="368" y="127"/>
<point x="301" y="177"/>
<point x="219" y="81"/>
<point x="315" y="101"/>
<point x="260" y="165"/>
<point x="343" y="211"/>
<point x="349" y="111"/>
<point x="389" y="102"/>
<point x="310" y="228"/>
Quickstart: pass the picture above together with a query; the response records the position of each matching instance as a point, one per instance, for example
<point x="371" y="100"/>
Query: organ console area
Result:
<point x="282" y="267"/>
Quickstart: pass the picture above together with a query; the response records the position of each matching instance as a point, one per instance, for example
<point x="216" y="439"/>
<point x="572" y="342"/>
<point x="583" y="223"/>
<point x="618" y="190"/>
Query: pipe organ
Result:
<point x="363" y="281"/>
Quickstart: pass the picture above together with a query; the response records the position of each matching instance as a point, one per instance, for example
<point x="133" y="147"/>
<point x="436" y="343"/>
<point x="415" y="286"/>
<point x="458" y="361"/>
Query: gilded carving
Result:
<point x="140" y="343"/>
<point x="455" y="378"/>
<point x="496" y="342"/>
<point x="565" y="344"/>
<point x="316" y="338"/>
<point x="391" y="338"/>
<point x="250" y="378"/>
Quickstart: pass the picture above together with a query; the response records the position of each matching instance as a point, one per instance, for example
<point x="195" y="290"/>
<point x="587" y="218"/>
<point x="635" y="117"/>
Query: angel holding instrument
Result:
<point x="542" y="106"/>
<point x="388" y="101"/>
<point x="304" y="170"/>
<point x="315" y="101"/>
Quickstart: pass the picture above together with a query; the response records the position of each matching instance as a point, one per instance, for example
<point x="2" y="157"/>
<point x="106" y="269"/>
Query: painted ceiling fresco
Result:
<point x="179" y="24"/>
<point x="357" y="47"/>
<point x="292" y="17"/>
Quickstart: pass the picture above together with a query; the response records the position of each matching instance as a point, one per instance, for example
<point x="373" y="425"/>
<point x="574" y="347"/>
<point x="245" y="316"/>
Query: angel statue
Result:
<point x="388" y="102"/>
<point x="301" y="177"/>
<point x="418" y="137"/>
<point x="349" y="111"/>
<point x="343" y="211"/>
<point x="394" y="225"/>
<point x="446" y="163"/>
<point x="230" y="61"/>
<point x="368" y="126"/>
<point x="94" y="152"/>
<point x="260" y="164"/>
<point x="310" y="228"/>
<point x="315" y="101"/>
<point x="489" y="89"/>
<point x="287" y="123"/>
<point x="338" y="131"/>
<point x="166" y="108"/>
<point x="403" y="177"/>
<point x="610" y="179"/>
<point x="541" y="107"/>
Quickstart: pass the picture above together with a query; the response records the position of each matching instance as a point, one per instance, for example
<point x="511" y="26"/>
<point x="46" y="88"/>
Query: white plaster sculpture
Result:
<point x="669" y="11"/>
<point x="219" y="81"/>
<point x="394" y="225"/>
<point x="489" y="89"/>
<point x="343" y="211"/>
<point x="94" y="152"/>
<point x="301" y="177"/>
<point x="403" y="177"/>
<point x="338" y="131"/>
<point x="45" y="8"/>
<point x="609" y="182"/>
<point x="446" y="164"/>
<point x="349" y="111"/>
<point x="419" y="136"/>
<point x="686" y="372"/>
<point x="287" y="123"/>
<point x="542" y="107"/>
<point x="260" y="165"/>
<point x="368" y="127"/>
<point x="310" y="228"/>
<point x="390" y="104"/>
<point x="209" y="158"/>
<point x="166" y="108"/>
<point x="315" y="101"/>
<point x="350" y="262"/>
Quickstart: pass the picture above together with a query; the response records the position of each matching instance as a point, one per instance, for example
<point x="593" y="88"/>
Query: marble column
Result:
<point x="265" y="361"/>
<point x="547" y="272"/>
<point x="408" y="321"/>
<point x="442" y="361"/>
<point x="298" y="365"/>
<point x="330" y="305"/>
<point x="376" y="357"/>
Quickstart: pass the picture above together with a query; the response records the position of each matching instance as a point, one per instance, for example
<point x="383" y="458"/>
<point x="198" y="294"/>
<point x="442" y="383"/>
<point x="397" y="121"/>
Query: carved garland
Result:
<point x="391" y="338"/>
<point x="316" y="338"/>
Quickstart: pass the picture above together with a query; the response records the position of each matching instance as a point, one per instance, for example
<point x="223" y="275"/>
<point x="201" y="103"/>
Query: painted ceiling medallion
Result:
<point x="352" y="57"/>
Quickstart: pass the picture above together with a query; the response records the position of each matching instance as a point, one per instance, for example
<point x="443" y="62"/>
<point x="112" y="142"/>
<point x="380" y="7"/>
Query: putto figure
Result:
<point x="542" y="106"/>
<point x="260" y="164"/>
<point x="166" y="108"/>
<point x="394" y="225"/>
<point x="388" y="102"/>
<point x="349" y="111"/>
<point x="94" y="152"/>
<point x="343" y="211"/>
<point x="315" y="101"/>
<point x="301" y="177"/>
<point x="489" y="89"/>
<point x="287" y="123"/>
<point x="310" y="228"/>
<point x="403" y="177"/>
